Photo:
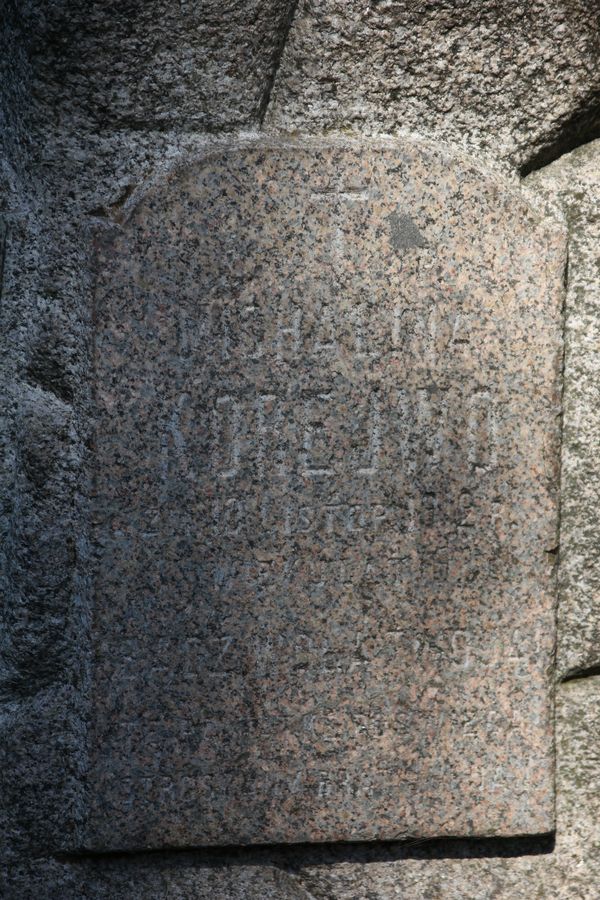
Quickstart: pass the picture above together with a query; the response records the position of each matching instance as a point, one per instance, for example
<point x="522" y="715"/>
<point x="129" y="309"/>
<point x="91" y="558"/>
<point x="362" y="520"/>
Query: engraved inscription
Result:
<point x="327" y="381"/>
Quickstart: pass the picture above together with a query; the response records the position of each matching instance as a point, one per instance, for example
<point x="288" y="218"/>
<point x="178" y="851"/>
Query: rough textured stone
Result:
<point x="152" y="65"/>
<point x="447" y="870"/>
<point x="56" y="171"/>
<point x="159" y="877"/>
<point x="42" y="397"/>
<point x="518" y="79"/>
<point x="573" y="182"/>
<point x="174" y="878"/>
<point x="61" y="89"/>
<point x="505" y="872"/>
<point x="40" y="644"/>
<point x="325" y="491"/>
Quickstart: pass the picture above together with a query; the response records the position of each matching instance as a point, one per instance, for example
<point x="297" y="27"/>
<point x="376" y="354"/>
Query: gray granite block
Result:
<point x="516" y="79"/>
<point x="198" y="66"/>
<point x="573" y="183"/>
<point x="181" y="876"/>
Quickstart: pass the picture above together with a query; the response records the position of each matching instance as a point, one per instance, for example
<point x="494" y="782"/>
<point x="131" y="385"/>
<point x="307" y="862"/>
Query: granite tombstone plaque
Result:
<point x="327" y="381"/>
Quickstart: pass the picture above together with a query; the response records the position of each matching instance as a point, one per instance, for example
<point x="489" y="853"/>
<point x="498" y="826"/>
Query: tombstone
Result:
<point x="325" y="503"/>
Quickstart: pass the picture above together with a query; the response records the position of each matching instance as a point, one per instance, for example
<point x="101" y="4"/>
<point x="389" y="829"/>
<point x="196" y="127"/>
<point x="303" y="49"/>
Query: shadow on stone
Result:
<point x="580" y="128"/>
<point x="299" y="855"/>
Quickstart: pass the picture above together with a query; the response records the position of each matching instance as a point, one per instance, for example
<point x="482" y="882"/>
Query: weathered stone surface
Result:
<point x="41" y="648"/>
<point x="518" y="79"/>
<point x="155" y="877"/>
<point x="454" y="871"/>
<point x="186" y="877"/>
<point x="574" y="183"/>
<point x="450" y="871"/>
<point x="151" y="65"/>
<point x="327" y="387"/>
<point x="70" y="166"/>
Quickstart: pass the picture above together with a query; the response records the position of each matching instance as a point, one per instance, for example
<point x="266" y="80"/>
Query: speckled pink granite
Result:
<point x="327" y="381"/>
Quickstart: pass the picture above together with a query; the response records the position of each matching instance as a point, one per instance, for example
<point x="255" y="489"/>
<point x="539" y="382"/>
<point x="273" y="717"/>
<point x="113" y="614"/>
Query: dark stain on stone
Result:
<point x="404" y="233"/>
<point x="45" y="369"/>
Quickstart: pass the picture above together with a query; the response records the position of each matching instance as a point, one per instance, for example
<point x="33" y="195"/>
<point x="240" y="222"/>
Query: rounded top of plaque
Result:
<point x="327" y="381"/>
<point x="338" y="153"/>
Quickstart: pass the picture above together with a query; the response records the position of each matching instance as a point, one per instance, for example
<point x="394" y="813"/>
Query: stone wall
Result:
<point x="95" y="101"/>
